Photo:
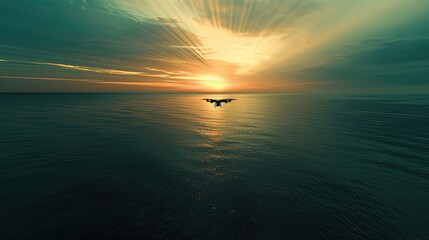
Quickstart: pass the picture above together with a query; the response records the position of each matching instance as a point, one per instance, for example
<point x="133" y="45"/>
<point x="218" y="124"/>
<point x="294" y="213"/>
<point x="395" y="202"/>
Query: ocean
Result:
<point x="171" y="166"/>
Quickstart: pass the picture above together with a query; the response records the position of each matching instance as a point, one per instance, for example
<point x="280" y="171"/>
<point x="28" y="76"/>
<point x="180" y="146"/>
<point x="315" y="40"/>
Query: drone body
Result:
<point x="218" y="102"/>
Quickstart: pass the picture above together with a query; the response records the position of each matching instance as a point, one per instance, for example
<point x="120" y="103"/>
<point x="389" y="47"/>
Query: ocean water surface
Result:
<point x="170" y="166"/>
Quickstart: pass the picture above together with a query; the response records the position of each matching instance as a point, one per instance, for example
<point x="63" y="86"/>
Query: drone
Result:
<point x="218" y="102"/>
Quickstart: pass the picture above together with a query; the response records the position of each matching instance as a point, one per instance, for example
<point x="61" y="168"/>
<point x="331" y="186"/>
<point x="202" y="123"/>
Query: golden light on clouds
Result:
<point x="203" y="45"/>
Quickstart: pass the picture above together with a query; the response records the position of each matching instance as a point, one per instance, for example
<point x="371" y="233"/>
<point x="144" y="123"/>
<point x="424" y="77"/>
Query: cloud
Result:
<point x="166" y="20"/>
<point x="262" y="44"/>
<point x="388" y="52"/>
<point x="372" y="62"/>
<point x="83" y="30"/>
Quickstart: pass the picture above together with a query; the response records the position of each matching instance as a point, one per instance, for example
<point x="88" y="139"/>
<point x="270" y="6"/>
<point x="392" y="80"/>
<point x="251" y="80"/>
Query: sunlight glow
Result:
<point x="213" y="83"/>
<point x="213" y="45"/>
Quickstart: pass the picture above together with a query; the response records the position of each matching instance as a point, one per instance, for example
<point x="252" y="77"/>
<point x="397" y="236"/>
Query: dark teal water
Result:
<point x="165" y="166"/>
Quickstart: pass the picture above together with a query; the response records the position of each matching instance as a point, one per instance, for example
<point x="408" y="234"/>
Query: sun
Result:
<point x="214" y="83"/>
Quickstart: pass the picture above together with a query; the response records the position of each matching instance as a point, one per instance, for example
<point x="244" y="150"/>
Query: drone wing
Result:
<point x="227" y="100"/>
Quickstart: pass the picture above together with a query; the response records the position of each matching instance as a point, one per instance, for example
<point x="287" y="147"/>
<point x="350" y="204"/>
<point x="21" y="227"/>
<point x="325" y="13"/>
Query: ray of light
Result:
<point x="224" y="44"/>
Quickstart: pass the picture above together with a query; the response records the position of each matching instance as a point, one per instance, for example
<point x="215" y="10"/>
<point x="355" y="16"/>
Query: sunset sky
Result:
<point x="333" y="46"/>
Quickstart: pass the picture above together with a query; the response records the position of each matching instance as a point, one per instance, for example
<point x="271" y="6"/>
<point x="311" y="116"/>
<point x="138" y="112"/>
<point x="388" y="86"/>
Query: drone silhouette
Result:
<point x="218" y="102"/>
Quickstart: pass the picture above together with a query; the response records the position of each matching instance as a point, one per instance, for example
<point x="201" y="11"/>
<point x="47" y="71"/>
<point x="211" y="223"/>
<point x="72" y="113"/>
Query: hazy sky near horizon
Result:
<point x="338" y="46"/>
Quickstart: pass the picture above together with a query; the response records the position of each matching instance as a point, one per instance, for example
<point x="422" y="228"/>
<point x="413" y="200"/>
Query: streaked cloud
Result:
<point x="375" y="61"/>
<point x="214" y="45"/>
<point x="92" y="69"/>
<point x="93" y="32"/>
<point x="49" y="79"/>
